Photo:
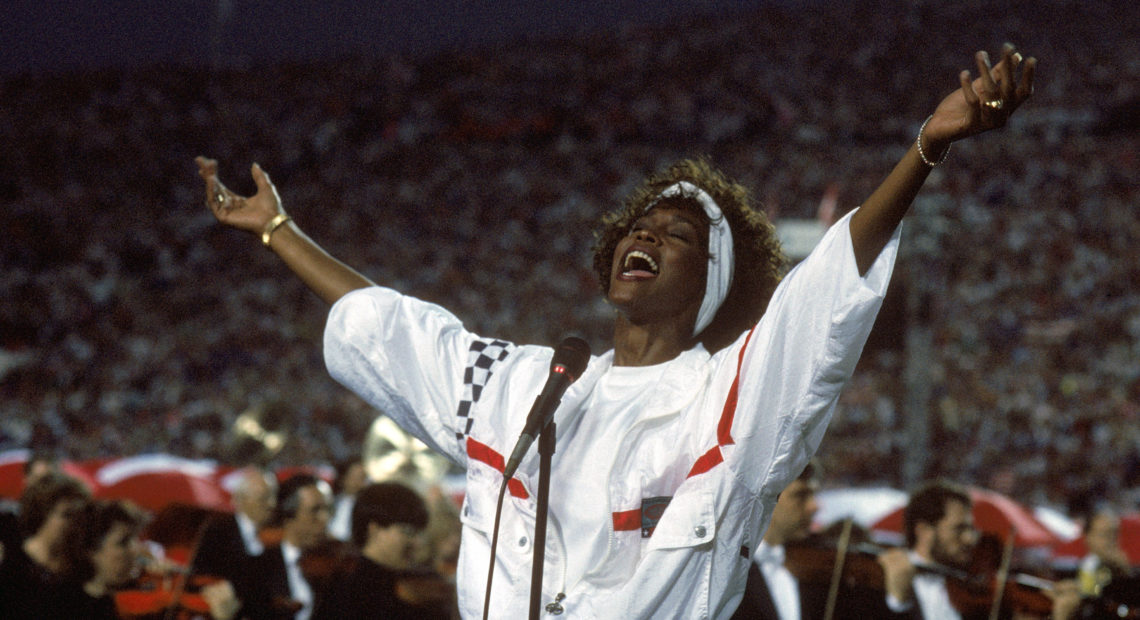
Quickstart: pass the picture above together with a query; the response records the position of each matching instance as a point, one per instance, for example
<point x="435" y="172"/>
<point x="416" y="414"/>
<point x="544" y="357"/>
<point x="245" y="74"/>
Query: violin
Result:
<point x="270" y="536"/>
<point x="424" y="588"/>
<point x="974" y="593"/>
<point x="171" y="596"/>
<point x="333" y="559"/>
<point x="326" y="561"/>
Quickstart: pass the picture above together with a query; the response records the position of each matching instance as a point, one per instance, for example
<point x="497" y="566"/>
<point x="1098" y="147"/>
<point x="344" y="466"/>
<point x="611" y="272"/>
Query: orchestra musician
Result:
<point x="230" y="541"/>
<point x="939" y="527"/>
<point x="278" y="588"/>
<point x="388" y="519"/>
<point x="1105" y="560"/>
<point x="102" y="551"/>
<point x="778" y="589"/>
<point x="33" y="565"/>
<point x="350" y="478"/>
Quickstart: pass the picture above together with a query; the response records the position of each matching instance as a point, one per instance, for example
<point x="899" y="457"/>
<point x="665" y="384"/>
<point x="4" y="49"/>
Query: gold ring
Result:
<point x="220" y="197"/>
<point x="995" y="104"/>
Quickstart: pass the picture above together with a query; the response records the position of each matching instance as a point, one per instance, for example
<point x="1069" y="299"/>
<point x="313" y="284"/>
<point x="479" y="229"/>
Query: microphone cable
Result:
<point x="494" y="545"/>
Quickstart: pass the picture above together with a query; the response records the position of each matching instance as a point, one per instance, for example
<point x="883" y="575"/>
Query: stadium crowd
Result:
<point x="462" y="177"/>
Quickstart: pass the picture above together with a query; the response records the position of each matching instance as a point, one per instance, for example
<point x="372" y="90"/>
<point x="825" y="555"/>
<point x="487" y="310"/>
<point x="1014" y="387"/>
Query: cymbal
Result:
<point x="392" y="454"/>
<point x="256" y="434"/>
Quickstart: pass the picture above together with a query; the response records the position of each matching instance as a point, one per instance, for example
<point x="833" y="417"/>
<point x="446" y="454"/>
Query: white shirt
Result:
<point x="340" y="525"/>
<point x="704" y="450"/>
<point x="249" y="537"/>
<point x="931" y="593"/>
<point x="299" y="589"/>
<point x="782" y="585"/>
<point x="578" y="501"/>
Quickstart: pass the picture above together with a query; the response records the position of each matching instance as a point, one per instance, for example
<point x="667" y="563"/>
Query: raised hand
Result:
<point x="982" y="103"/>
<point x="263" y="215"/>
<point x="251" y="213"/>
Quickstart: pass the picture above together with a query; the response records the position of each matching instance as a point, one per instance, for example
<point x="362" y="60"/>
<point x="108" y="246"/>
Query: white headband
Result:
<point x="719" y="277"/>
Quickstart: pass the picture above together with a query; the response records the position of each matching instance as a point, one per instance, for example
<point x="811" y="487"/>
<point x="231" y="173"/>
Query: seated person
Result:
<point x="279" y="587"/>
<point x="229" y="541"/>
<point x="1105" y="560"/>
<point x="780" y="588"/>
<point x="102" y="551"/>
<point x="33" y="564"/>
<point x="941" y="541"/>
<point x="387" y="521"/>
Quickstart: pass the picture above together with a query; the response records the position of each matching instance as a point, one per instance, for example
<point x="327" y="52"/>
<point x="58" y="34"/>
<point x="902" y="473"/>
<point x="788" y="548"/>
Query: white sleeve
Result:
<point x="404" y="356"/>
<point x="799" y="356"/>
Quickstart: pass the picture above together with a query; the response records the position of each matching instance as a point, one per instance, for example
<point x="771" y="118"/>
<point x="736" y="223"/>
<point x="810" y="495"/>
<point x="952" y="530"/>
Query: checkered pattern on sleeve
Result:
<point x="481" y="360"/>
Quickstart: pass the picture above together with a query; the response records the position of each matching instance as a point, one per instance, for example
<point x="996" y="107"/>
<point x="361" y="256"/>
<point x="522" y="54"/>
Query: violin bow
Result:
<point x="1002" y="574"/>
<point x="837" y="570"/>
<point x="180" y="584"/>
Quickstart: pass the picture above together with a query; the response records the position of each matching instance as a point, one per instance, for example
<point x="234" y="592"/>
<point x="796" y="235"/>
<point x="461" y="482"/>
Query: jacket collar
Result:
<point x="674" y="391"/>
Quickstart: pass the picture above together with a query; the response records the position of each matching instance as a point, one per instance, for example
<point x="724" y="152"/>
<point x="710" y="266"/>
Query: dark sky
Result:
<point x="53" y="35"/>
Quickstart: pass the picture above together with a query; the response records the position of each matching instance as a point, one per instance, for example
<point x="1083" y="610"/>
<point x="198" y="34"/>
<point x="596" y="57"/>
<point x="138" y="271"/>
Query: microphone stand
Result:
<point x="545" y="452"/>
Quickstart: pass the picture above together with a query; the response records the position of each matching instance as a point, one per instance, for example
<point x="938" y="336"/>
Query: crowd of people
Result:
<point x="801" y="574"/>
<point x="64" y="554"/>
<point x="279" y="554"/>
<point x="470" y="178"/>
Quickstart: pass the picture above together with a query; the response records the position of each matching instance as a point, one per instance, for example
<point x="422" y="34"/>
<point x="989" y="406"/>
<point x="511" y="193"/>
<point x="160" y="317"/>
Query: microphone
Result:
<point x="570" y="359"/>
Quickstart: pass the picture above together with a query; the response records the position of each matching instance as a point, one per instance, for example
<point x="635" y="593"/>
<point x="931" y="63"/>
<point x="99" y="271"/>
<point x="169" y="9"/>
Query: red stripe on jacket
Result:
<point x="713" y="456"/>
<point x="486" y="454"/>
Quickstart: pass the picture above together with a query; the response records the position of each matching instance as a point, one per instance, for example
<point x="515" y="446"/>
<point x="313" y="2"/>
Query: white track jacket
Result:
<point x="693" y="470"/>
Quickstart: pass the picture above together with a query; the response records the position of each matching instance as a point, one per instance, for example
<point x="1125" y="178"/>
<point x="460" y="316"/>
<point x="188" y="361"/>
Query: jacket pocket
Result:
<point x="689" y="521"/>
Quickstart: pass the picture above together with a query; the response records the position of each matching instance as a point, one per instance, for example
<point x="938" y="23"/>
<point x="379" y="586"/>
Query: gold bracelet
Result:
<point x="921" y="154"/>
<point x="277" y="220"/>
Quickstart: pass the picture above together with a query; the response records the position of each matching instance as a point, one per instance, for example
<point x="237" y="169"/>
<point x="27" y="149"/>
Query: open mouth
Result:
<point x="638" y="264"/>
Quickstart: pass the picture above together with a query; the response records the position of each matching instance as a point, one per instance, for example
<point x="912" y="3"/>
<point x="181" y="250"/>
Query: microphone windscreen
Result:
<point x="572" y="354"/>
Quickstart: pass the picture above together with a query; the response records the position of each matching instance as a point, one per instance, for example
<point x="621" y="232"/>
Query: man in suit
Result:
<point x="939" y="526"/>
<point x="279" y="589"/>
<point x="230" y="541"/>
<point x="774" y="592"/>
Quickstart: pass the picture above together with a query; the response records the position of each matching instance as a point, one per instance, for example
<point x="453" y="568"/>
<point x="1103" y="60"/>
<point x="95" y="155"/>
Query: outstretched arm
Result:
<point x="263" y="215"/>
<point x="979" y="105"/>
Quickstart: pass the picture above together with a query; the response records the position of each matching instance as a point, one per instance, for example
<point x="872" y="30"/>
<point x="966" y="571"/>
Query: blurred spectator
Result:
<point x="515" y="149"/>
<point x="36" y="465"/>
<point x="1105" y="560"/>
<point x="39" y="465"/>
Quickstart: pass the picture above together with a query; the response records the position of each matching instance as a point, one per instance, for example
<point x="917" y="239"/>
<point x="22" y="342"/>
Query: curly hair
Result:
<point x="759" y="261"/>
<point x="39" y="499"/>
<point x="88" y="530"/>
<point x="929" y="504"/>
